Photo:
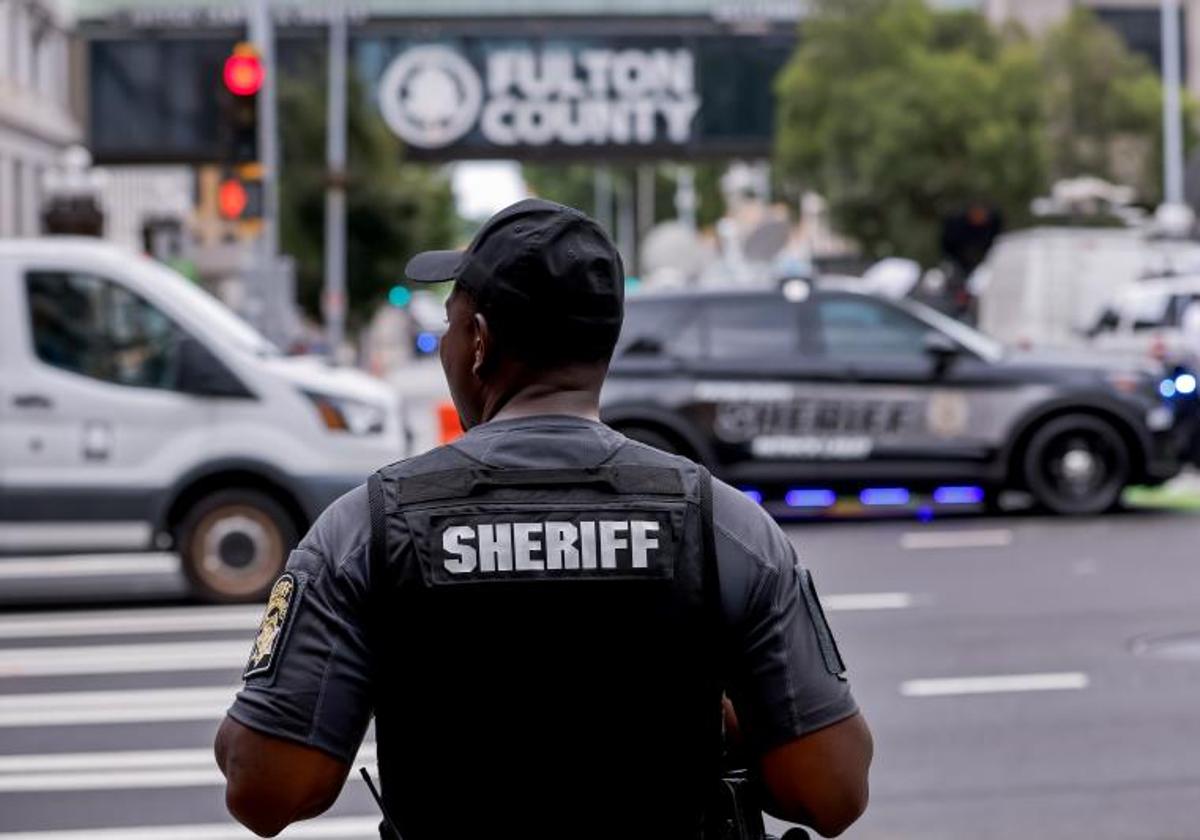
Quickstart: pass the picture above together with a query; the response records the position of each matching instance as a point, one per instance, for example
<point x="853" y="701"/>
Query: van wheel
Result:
<point x="234" y="545"/>
<point x="1077" y="465"/>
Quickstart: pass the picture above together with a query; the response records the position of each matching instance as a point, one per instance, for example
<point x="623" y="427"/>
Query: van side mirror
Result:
<point x="942" y="349"/>
<point x="202" y="374"/>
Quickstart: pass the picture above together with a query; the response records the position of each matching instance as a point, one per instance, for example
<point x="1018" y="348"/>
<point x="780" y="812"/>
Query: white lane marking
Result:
<point x="867" y="601"/>
<point x="71" y="708"/>
<point x="87" y="565"/>
<point x="79" y="536"/>
<point x="122" y="659"/>
<point x="982" y="538"/>
<point x="1065" y="681"/>
<point x="151" y="769"/>
<point x="124" y="622"/>
<point x="124" y="760"/>
<point x="326" y="828"/>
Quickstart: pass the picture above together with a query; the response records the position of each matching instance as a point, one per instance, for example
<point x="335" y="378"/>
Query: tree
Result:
<point x="1103" y="106"/>
<point x="574" y="185"/>
<point x="901" y="116"/>
<point x="393" y="209"/>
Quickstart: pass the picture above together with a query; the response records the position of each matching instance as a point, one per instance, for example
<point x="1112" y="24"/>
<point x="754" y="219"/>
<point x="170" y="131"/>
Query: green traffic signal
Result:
<point x="399" y="296"/>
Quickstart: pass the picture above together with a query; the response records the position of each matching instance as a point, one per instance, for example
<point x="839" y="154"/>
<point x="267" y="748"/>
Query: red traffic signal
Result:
<point x="231" y="199"/>
<point x="244" y="71"/>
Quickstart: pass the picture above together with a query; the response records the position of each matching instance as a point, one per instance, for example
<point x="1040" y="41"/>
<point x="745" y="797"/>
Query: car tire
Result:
<point x="650" y="437"/>
<point x="1077" y="465"/>
<point x="234" y="544"/>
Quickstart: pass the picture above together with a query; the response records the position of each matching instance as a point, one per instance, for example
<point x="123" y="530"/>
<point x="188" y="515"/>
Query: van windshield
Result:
<point x="195" y="300"/>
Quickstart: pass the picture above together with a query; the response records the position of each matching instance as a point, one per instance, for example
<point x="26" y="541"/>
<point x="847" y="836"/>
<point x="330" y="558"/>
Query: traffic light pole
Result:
<point x="334" y="298"/>
<point x="262" y="34"/>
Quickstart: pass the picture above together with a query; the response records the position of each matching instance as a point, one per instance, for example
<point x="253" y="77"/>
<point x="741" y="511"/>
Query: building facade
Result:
<point x="36" y="120"/>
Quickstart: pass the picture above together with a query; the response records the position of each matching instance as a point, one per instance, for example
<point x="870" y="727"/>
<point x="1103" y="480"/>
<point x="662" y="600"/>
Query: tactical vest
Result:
<point x="547" y="649"/>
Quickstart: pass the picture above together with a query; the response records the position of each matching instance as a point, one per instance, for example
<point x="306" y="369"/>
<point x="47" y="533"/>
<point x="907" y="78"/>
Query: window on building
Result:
<point x="93" y="327"/>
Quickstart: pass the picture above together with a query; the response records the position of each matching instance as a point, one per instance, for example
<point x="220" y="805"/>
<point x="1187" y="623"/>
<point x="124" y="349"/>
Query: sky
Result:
<point x="482" y="187"/>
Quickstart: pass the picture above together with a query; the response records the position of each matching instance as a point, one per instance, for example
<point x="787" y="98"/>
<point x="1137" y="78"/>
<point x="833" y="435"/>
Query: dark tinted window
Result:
<point x="91" y="326"/>
<point x="660" y="327"/>
<point x="857" y="327"/>
<point x="751" y="328"/>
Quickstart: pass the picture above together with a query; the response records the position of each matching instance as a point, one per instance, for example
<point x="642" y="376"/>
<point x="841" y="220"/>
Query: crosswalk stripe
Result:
<point x="134" y="770"/>
<point x="174" y="759"/>
<point x="125" y="622"/>
<point x="87" y="565"/>
<point x="74" y="708"/>
<point x="330" y="828"/>
<point x="122" y="659"/>
<point x="1005" y="683"/>
<point x="856" y="601"/>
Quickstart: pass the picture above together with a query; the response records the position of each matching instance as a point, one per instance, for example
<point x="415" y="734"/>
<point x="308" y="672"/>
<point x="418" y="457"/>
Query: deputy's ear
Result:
<point x="481" y="344"/>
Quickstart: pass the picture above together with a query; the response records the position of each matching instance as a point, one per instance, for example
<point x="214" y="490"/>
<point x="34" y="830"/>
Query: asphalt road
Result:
<point x="998" y="660"/>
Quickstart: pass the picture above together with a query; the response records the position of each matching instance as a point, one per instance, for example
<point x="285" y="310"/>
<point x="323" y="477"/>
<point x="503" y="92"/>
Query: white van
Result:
<point x="137" y="412"/>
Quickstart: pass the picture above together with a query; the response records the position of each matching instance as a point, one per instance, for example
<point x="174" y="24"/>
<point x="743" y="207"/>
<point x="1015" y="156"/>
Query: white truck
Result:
<point x="138" y="412"/>
<point x="1049" y="286"/>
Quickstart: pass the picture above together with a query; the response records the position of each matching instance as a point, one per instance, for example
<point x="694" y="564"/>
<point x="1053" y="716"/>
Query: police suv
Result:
<point x="812" y="398"/>
<point x="137" y="412"/>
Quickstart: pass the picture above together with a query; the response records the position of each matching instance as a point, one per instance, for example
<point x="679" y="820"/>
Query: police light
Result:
<point x="1167" y="388"/>
<point x="243" y="72"/>
<point x="1185" y="383"/>
<point x="399" y="296"/>
<point x="427" y="343"/>
<point x="884" y="496"/>
<point x="808" y="498"/>
<point x="753" y="495"/>
<point x="958" y="495"/>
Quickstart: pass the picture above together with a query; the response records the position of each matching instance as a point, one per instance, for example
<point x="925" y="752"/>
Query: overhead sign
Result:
<point x="432" y="96"/>
<point x="574" y="95"/>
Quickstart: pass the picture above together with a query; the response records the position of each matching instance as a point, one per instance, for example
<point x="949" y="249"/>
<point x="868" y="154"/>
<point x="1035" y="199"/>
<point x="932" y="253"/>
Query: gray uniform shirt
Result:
<point x="310" y="681"/>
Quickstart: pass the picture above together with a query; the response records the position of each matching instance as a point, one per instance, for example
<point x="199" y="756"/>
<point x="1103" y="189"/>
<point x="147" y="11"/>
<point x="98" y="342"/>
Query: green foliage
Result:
<point x="900" y="115"/>
<point x="393" y="209"/>
<point x="574" y="184"/>
<point x="1103" y="107"/>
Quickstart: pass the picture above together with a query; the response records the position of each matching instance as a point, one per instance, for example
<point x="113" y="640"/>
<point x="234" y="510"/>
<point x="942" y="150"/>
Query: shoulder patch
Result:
<point x="281" y="607"/>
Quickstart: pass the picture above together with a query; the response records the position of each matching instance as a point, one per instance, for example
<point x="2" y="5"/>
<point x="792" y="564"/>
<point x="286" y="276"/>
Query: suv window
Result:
<point x="858" y="327"/>
<point x="752" y="328"/>
<point x="93" y="327"/>
<point x="660" y="327"/>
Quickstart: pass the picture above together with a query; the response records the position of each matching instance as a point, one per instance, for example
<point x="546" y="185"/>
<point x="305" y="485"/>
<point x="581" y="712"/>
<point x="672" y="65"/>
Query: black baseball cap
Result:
<point x="537" y="266"/>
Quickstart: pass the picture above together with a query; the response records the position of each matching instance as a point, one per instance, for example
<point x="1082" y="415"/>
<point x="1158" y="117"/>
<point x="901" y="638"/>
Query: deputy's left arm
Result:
<point x="271" y="783"/>
<point x="291" y="736"/>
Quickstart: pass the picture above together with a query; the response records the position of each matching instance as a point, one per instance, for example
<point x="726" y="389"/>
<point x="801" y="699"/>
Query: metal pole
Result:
<point x="602" y="190"/>
<point x="262" y="33"/>
<point x="685" y="195"/>
<point x="1172" y="113"/>
<point x="335" y="190"/>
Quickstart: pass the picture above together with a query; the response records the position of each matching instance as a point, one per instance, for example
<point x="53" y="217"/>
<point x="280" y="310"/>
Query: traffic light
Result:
<point x="239" y="194"/>
<point x="241" y="80"/>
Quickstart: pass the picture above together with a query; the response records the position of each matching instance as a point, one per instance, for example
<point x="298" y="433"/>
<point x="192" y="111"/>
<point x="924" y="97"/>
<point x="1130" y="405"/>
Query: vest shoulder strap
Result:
<point x="377" y="548"/>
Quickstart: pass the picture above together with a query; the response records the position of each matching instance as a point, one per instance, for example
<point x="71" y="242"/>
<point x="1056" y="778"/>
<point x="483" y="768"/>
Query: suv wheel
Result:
<point x="234" y="545"/>
<point x="1077" y="465"/>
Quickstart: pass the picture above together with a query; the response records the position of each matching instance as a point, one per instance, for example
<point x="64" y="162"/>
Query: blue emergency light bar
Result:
<point x="753" y="495"/>
<point x="884" y="496"/>
<point x="810" y="498"/>
<point x="958" y="495"/>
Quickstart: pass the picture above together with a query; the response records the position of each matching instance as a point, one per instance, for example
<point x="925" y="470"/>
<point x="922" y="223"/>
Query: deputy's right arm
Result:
<point x="794" y="708"/>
